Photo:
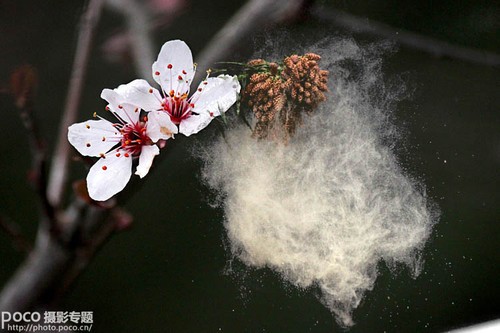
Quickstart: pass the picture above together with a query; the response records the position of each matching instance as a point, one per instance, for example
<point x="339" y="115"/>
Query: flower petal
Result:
<point x="93" y="137"/>
<point x="140" y="94"/>
<point x="108" y="176"/>
<point x="195" y="123"/>
<point x="148" y="153"/>
<point x="160" y="126"/>
<point x="217" y="95"/>
<point x="119" y="105"/>
<point x="174" y="69"/>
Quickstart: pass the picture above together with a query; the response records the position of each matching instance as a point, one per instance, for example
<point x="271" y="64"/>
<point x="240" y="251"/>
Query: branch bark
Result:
<point x="406" y="38"/>
<point x="51" y="266"/>
<point x="139" y="29"/>
<point x="57" y="259"/>
<point x="59" y="167"/>
<point x="251" y="18"/>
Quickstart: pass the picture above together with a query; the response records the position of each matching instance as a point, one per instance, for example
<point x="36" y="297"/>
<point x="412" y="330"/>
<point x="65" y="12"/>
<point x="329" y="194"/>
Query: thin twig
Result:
<point x="40" y="279"/>
<point x="53" y="260"/>
<point x="138" y="20"/>
<point x="406" y="38"/>
<point x="251" y="18"/>
<point x="23" y="86"/>
<point x="59" y="167"/>
<point x="84" y="254"/>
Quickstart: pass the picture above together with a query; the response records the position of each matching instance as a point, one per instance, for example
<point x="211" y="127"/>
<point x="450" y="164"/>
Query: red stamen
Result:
<point x="134" y="137"/>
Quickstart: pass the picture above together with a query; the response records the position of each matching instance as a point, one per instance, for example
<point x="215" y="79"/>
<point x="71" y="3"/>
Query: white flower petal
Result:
<point x="217" y="95"/>
<point x="160" y="126"/>
<point x="148" y="153"/>
<point x="118" y="105"/>
<point x="195" y="123"/>
<point x="93" y="137"/>
<point x="174" y="69"/>
<point x="108" y="176"/>
<point x="140" y="94"/>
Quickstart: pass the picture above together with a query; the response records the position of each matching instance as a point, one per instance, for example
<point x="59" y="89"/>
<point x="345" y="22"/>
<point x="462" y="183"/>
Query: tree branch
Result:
<point x="50" y="267"/>
<point x="59" y="167"/>
<point x="406" y="38"/>
<point x="138" y="21"/>
<point x="58" y="259"/>
<point x="251" y="18"/>
<point x="23" y="85"/>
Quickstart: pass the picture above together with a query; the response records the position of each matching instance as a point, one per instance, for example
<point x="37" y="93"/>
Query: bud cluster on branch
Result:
<point x="279" y="94"/>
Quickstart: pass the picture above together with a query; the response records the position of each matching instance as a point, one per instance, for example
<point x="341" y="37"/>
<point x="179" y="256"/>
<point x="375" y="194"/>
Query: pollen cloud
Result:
<point x="325" y="210"/>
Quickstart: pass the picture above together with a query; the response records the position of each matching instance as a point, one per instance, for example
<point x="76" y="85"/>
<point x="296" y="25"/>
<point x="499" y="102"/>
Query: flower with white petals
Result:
<point x="174" y="71"/>
<point x="118" y="144"/>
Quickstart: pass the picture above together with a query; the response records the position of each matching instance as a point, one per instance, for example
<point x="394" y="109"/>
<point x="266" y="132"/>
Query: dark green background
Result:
<point x="166" y="274"/>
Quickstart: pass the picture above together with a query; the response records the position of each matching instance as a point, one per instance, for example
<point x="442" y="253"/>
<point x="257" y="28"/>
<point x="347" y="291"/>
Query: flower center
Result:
<point x="134" y="137"/>
<point x="177" y="107"/>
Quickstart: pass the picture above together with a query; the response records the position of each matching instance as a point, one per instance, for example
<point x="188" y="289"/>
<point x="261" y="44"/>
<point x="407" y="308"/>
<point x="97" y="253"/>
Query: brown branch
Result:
<point x="251" y="18"/>
<point x="44" y="275"/>
<point x="59" y="167"/>
<point x="138" y="20"/>
<point x="57" y="260"/>
<point x="406" y="38"/>
<point x="38" y="279"/>
<point x="23" y="83"/>
<point x="104" y="230"/>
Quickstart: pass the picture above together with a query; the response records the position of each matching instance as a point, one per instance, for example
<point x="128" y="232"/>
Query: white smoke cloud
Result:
<point x="326" y="209"/>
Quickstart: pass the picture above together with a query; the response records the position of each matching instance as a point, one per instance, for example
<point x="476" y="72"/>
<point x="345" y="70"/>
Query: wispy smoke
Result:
<point x="327" y="208"/>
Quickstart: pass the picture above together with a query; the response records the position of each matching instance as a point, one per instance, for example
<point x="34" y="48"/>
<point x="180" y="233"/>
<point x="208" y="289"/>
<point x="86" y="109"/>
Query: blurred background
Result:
<point x="167" y="273"/>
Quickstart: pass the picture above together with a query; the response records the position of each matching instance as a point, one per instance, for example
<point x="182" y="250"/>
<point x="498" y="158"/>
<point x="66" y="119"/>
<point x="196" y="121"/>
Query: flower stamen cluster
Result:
<point x="279" y="94"/>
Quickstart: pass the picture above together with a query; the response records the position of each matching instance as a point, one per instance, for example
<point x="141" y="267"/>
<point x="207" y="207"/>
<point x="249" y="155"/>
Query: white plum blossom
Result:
<point x="118" y="144"/>
<point x="174" y="71"/>
<point x="170" y="111"/>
